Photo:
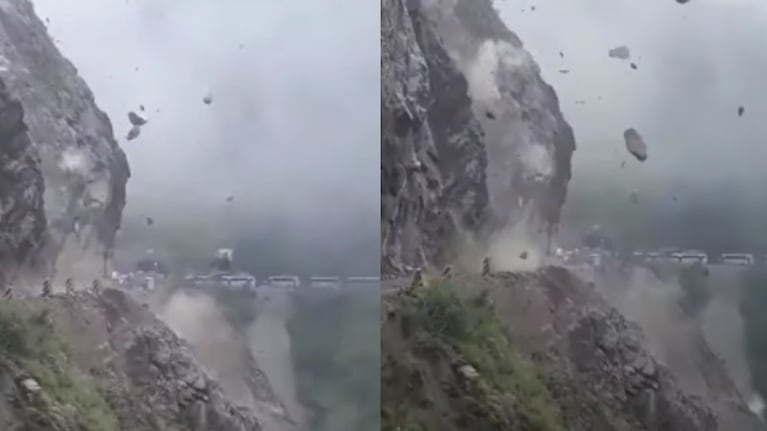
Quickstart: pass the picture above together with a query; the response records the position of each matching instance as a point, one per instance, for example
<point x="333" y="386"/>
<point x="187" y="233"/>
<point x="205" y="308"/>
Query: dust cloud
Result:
<point x="196" y="317"/>
<point x="674" y="337"/>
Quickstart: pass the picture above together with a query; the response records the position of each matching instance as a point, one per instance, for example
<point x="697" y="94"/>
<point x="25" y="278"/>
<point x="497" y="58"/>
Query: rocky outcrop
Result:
<point x="22" y="215"/>
<point x="433" y="159"/>
<point x="84" y="171"/>
<point x="471" y="135"/>
<point x="529" y="144"/>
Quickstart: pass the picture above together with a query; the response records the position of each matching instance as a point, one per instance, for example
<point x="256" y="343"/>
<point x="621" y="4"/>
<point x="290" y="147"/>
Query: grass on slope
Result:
<point x="336" y="345"/>
<point x="507" y="384"/>
<point x="28" y="342"/>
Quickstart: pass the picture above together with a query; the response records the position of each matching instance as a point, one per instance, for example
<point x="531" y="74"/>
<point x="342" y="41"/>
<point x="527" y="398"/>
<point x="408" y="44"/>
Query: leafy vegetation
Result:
<point x="506" y="382"/>
<point x="29" y="342"/>
<point x="335" y="337"/>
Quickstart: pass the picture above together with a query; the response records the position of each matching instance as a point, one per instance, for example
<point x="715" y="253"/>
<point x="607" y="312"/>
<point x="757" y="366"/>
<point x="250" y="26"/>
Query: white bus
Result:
<point x="738" y="258"/>
<point x="325" y="282"/>
<point x="691" y="257"/>
<point x="239" y="281"/>
<point x="287" y="281"/>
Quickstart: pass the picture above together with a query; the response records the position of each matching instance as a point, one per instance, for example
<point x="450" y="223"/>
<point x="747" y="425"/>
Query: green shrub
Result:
<point x="471" y="327"/>
<point x="28" y="340"/>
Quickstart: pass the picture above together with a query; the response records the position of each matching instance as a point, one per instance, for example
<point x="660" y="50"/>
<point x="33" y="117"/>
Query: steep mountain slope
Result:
<point x="83" y="168"/>
<point x="544" y="345"/>
<point x="92" y="359"/>
<point x="474" y="145"/>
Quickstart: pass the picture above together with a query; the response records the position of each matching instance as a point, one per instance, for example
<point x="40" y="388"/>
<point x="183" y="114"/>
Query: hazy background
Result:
<point x="696" y="63"/>
<point x="292" y="132"/>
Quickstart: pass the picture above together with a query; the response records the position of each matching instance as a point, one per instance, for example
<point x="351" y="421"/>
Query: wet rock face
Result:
<point x="83" y="169"/>
<point x="433" y="160"/>
<point x="22" y="215"/>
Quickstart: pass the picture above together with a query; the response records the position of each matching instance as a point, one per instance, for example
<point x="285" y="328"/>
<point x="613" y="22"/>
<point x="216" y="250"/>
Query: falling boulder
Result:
<point x="490" y="115"/>
<point x="621" y="52"/>
<point x="523" y="255"/>
<point x="208" y="99"/>
<point x="135" y="119"/>
<point x="133" y="133"/>
<point x="149" y="221"/>
<point x="230" y="199"/>
<point x="635" y="144"/>
<point x="634" y="66"/>
<point x="741" y="110"/>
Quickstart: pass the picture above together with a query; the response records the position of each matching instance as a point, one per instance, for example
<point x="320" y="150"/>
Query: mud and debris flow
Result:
<point x="135" y="119"/>
<point x="133" y="133"/>
<point x="620" y="52"/>
<point x="635" y="144"/>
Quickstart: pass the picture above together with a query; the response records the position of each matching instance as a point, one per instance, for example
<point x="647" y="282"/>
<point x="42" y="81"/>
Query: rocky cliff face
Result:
<point x="84" y="171"/>
<point x="471" y="135"/>
<point x="22" y="214"/>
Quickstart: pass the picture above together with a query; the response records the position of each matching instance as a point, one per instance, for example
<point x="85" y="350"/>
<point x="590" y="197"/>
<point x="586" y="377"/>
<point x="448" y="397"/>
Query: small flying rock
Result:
<point x="674" y="198"/>
<point x="230" y="199"/>
<point x="149" y="221"/>
<point x="620" y="52"/>
<point x="564" y="71"/>
<point x="242" y="45"/>
<point x="523" y="255"/>
<point x="635" y="197"/>
<point x="133" y="133"/>
<point x="561" y="54"/>
<point x="741" y="110"/>
<point x="208" y="99"/>
<point x="682" y="1"/>
<point x="623" y="164"/>
<point x="135" y="119"/>
<point x="141" y="107"/>
<point x="490" y="115"/>
<point x="635" y="144"/>
<point x="634" y="66"/>
<point x="532" y="8"/>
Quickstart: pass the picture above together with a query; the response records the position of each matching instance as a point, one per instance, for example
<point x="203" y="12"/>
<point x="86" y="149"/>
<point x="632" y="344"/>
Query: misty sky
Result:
<point x="294" y="124"/>
<point x="696" y="64"/>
